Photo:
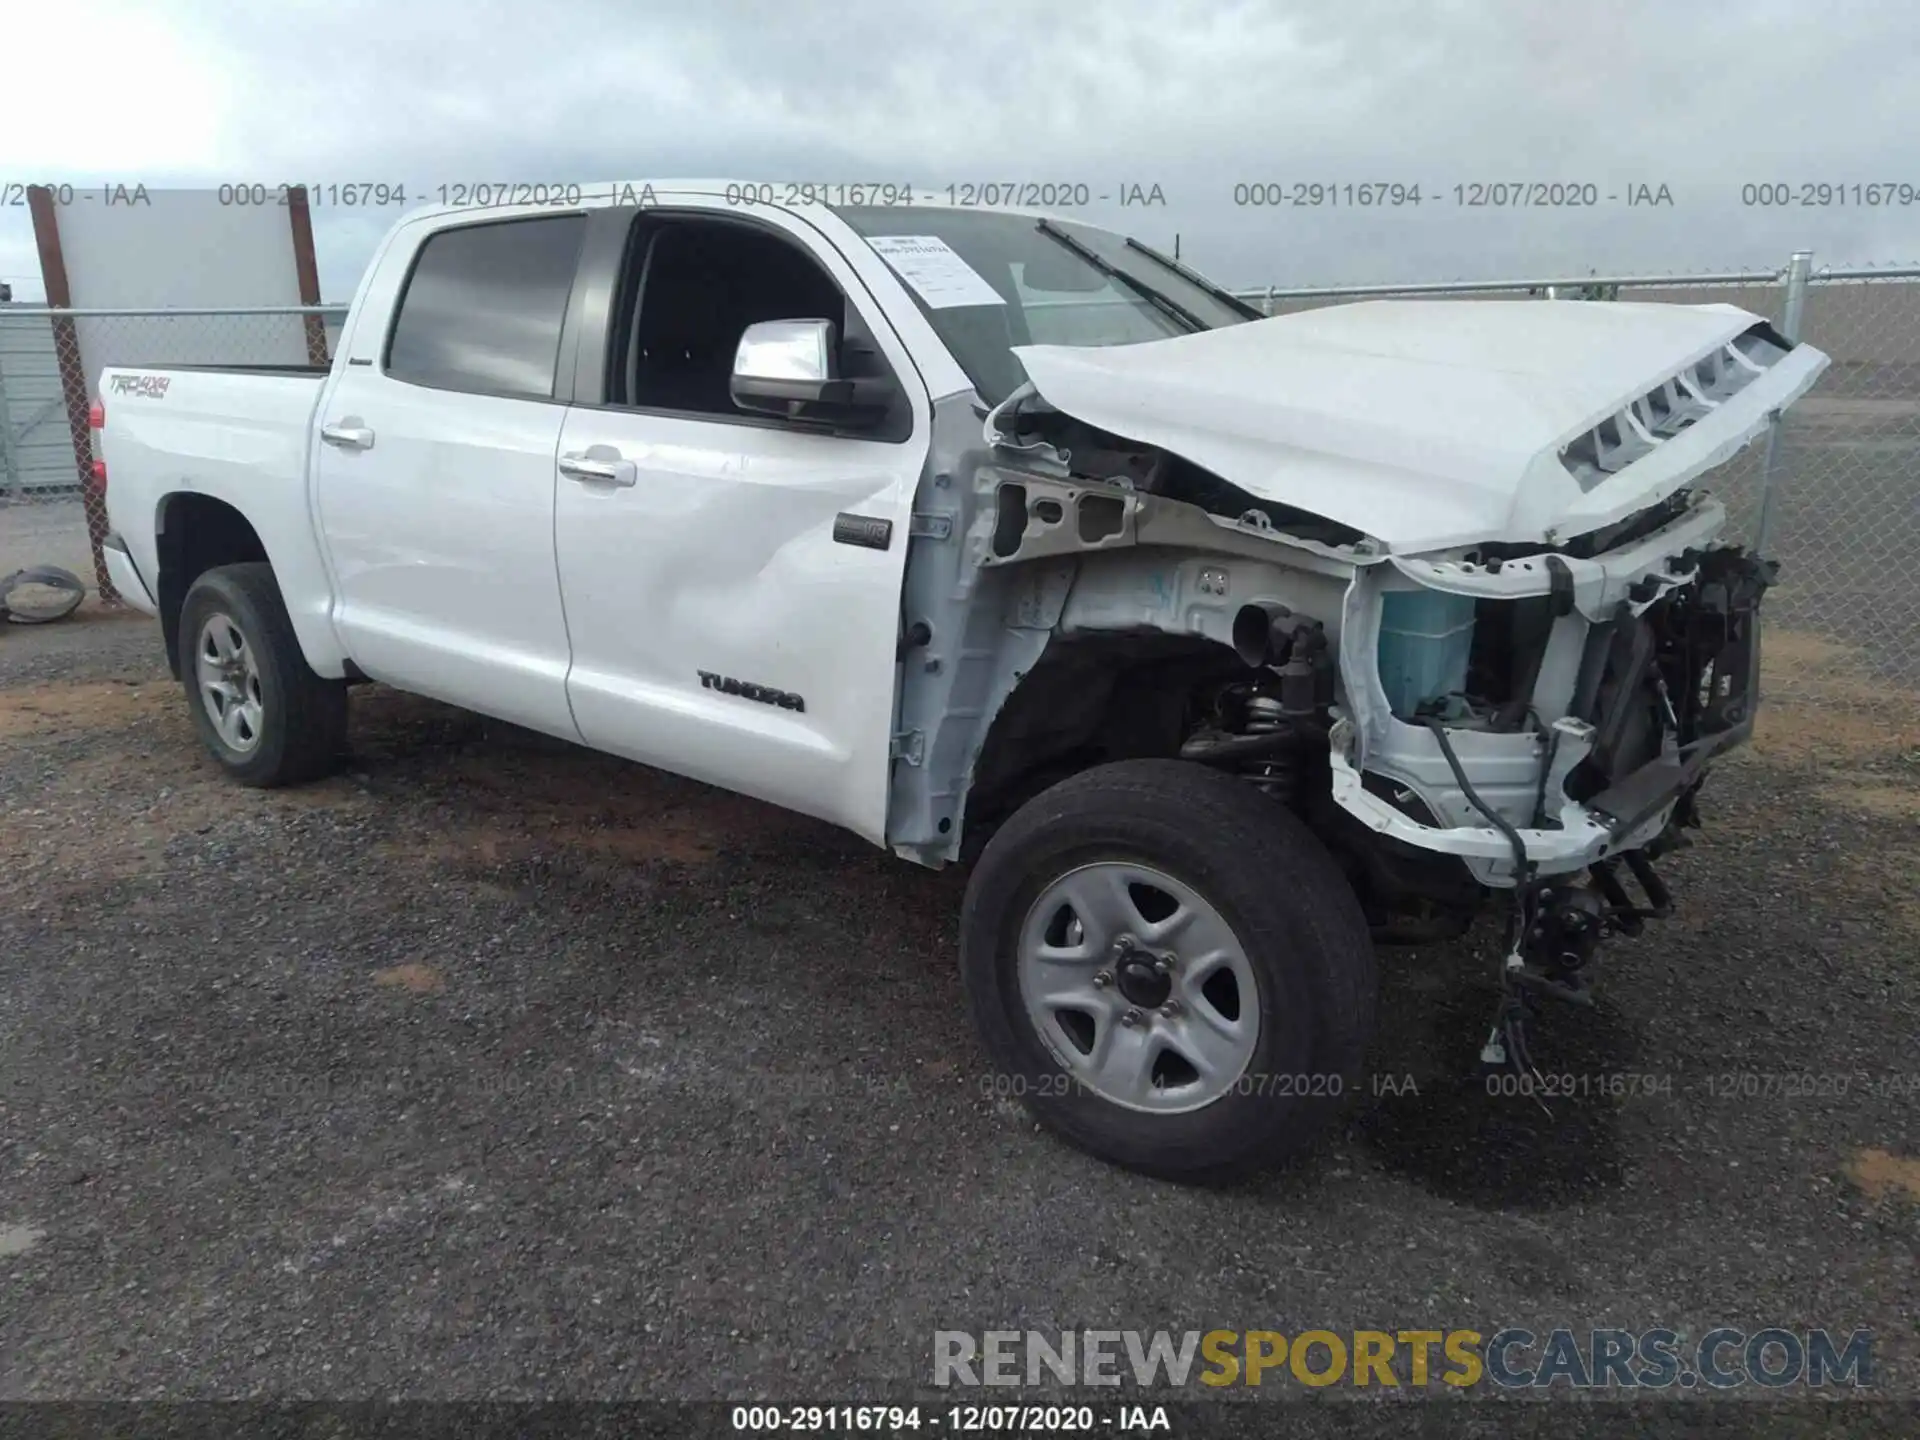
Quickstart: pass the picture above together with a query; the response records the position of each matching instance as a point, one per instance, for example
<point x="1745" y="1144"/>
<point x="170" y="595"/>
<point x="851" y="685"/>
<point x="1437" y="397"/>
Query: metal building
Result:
<point x="36" y="450"/>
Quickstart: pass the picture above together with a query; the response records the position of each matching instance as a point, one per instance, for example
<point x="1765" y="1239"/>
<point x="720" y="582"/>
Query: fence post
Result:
<point x="9" y="465"/>
<point x="1799" y="271"/>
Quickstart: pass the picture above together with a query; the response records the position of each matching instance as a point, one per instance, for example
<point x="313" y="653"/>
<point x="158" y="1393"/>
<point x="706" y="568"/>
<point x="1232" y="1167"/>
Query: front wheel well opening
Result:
<point x="1094" y="699"/>
<point x="1090" y="700"/>
<point x="194" y="534"/>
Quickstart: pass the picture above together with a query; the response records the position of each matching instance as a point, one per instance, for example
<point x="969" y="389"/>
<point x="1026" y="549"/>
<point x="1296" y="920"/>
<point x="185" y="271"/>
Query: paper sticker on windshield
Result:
<point x="936" y="273"/>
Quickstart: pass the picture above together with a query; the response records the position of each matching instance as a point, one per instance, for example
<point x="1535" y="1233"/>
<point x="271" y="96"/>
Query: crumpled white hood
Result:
<point x="1423" y="423"/>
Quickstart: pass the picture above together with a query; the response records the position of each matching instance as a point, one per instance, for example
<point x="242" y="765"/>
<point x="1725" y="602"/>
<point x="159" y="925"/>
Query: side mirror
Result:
<point x="788" y="368"/>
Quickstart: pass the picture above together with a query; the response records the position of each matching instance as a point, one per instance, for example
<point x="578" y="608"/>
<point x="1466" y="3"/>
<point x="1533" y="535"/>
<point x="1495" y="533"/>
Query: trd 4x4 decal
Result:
<point x="147" y="387"/>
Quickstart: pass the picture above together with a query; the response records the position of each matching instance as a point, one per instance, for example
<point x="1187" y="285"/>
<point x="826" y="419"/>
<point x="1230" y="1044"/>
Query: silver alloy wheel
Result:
<point x="1139" y="987"/>
<point x="229" y="681"/>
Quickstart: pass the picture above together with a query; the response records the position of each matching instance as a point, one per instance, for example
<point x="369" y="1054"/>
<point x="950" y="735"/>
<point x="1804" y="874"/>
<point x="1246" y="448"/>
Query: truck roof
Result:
<point x="599" y="194"/>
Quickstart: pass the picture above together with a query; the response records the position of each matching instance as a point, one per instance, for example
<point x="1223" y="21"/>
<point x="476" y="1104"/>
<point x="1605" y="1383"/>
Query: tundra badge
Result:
<point x="747" y="690"/>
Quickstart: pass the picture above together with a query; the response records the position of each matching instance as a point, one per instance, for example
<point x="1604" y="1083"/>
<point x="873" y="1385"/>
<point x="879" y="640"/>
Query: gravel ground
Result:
<point x="495" y="1068"/>
<point x="45" y="532"/>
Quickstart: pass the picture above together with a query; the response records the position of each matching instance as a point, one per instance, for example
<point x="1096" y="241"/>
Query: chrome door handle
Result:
<point x="594" y="470"/>
<point x="347" y="437"/>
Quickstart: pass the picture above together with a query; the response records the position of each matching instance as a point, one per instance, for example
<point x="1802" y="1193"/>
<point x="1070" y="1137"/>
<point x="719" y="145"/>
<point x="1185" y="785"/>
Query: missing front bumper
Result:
<point x="1676" y="683"/>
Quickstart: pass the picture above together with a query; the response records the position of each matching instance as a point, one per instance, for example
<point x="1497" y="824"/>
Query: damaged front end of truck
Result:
<point x="1548" y="719"/>
<point x="1448" y="581"/>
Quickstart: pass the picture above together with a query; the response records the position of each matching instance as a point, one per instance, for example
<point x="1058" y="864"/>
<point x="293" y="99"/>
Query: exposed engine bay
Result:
<point x="1089" y="453"/>
<point x="1540" y="727"/>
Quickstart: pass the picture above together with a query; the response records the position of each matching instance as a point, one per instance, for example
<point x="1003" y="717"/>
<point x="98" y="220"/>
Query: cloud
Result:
<point x="1194" y="95"/>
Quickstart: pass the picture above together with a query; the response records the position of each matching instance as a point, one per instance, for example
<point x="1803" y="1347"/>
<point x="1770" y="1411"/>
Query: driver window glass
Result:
<point x="698" y="286"/>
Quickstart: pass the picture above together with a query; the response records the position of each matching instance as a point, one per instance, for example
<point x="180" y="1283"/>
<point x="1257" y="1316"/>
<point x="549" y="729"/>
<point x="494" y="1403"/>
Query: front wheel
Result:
<point x="1169" y="969"/>
<point x="259" y="707"/>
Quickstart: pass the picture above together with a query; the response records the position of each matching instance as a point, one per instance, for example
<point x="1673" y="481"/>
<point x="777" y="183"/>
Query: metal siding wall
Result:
<point x="42" y="448"/>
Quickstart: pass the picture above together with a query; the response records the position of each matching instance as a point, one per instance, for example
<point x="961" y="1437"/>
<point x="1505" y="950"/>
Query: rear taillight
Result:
<point x="96" y="422"/>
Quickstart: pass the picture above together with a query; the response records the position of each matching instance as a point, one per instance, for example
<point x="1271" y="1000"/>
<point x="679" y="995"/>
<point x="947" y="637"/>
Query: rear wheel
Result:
<point x="1169" y="969"/>
<point x="260" y="709"/>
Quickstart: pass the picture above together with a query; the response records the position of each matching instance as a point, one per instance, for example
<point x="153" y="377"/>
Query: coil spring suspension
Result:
<point x="1278" y="774"/>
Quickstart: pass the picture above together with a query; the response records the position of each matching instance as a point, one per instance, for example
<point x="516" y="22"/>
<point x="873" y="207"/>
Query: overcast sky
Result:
<point x="1195" y="98"/>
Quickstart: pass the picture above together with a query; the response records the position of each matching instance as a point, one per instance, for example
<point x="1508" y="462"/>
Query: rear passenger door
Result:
<point x="727" y="622"/>
<point x="434" y="465"/>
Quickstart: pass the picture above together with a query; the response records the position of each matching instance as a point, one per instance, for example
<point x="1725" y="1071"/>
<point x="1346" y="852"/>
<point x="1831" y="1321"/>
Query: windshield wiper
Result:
<point x="1145" y="291"/>
<point x="1193" y="277"/>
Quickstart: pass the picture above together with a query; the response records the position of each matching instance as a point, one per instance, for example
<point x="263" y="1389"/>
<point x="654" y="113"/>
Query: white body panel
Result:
<point x="238" y="438"/>
<point x="127" y="580"/>
<point x="441" y="537"/>
<point x="1422" y="423"/>
<point x="436" y="557"/>
<point x="440" y="532"/>
<point x="720" y="558"/>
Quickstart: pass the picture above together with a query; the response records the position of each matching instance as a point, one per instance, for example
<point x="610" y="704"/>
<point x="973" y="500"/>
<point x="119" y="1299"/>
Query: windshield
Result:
<point x="1053" y="282"/>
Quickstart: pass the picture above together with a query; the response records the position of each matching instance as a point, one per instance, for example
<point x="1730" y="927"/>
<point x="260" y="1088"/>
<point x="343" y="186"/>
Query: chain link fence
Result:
<point x="1834" y="493"/>
<point x="52" y="506"/>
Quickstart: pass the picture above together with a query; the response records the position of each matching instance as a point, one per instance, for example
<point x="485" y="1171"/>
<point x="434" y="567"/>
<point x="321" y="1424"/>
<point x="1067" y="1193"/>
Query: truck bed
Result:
<point x="232" y="435"/>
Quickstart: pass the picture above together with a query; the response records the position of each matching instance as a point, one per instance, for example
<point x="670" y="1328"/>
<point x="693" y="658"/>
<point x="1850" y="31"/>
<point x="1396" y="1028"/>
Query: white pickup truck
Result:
<point x="1221" y="646"/>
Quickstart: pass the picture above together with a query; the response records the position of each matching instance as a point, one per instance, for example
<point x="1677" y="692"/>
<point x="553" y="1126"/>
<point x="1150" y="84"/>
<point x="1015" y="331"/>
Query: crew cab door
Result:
<point x="433" y="467"/>
<point x="727" y="624"/>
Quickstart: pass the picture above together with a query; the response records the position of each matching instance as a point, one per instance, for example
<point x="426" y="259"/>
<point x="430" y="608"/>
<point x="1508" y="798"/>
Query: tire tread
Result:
<point x="1268" y="863"/>
<point x="314" y="708"/>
